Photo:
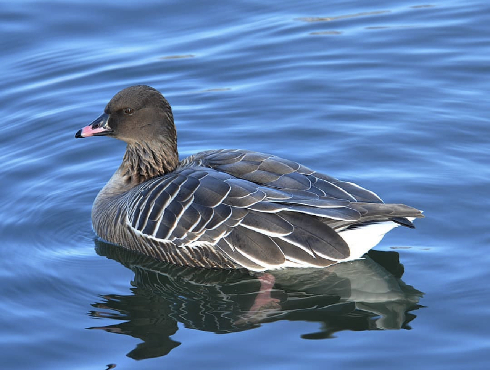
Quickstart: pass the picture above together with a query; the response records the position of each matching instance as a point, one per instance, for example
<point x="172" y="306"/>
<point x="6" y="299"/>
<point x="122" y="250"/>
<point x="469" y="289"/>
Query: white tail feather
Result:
<point x="361" y="239"/>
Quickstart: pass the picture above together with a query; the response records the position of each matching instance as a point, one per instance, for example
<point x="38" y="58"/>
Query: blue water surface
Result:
<point x="390" y="95"/>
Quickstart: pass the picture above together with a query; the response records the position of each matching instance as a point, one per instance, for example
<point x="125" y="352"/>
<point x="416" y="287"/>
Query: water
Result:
<point x="391" y="95"/>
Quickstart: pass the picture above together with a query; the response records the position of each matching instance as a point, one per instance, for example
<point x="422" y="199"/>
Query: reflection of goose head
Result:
<point x="356" y="295"/>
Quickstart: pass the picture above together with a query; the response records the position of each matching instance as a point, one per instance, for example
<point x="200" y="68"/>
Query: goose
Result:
<point x="226" y="208"/>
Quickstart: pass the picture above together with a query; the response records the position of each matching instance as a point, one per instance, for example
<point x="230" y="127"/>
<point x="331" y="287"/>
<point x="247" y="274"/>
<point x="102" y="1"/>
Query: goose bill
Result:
<point x="99" y="127"/>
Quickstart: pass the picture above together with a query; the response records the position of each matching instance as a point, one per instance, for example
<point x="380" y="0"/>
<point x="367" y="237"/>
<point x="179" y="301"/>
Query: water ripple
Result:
<point x="394" y="97"/>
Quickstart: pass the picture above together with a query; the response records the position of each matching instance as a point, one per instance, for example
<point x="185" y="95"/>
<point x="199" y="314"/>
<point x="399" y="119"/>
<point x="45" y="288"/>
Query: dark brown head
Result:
<point x="142" y="117"/>
<point x="137" y="114"/>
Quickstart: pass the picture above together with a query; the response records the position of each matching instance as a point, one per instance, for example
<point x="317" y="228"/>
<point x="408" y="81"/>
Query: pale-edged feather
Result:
<point x="222" y="212"/>
<point x="222" y="157"/>
<point x="268" y="207"/>
<point x="256" y="246"/>
<point x="293" y="180"/>
<point x="241" y="168"/>
<point x="270" y="224"/>
<point x="246" y="201"/>
<point x="313" y="234"/>
<point x="225" y="247"/>
<point x="212" y="191"/>
<point x="339" y="213"/>
<point x="325" y="202"/>
<point x="301" y="256"/>
<point x="273" y="165"/>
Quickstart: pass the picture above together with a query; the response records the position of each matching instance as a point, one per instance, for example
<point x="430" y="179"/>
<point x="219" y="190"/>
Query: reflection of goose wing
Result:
<point x="217" y="300"/>
<point x="370" y="282"/>
<point x="366" y="284"/>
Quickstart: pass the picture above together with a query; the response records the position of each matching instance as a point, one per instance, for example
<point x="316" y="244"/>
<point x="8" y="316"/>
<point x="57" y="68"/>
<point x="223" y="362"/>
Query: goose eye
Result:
<point x="128" y="111"/>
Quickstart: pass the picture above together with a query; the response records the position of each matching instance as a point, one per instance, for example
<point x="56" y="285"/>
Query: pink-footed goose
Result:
<point x="226" y="208"/>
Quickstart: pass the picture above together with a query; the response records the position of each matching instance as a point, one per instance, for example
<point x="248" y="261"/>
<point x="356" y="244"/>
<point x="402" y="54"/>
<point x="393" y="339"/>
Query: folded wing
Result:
<point x="259" y="210"/>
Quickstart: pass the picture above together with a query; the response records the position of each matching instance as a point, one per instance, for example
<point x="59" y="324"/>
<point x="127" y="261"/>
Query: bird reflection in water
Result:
<point x="365" y="294"/>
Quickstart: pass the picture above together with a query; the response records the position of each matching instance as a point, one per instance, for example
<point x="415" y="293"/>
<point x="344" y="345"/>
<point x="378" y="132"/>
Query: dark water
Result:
<point x="391" y="95"/>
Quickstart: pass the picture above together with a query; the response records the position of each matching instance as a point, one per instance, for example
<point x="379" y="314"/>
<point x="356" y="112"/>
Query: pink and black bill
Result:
<point x="99" y="127"/>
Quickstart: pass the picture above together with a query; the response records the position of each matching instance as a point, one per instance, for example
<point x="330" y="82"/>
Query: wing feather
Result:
<point x="259" y="210"/>
<point x="267" y="223"/>
<point x="312" y="233"/>
<point x="256" y="246"/>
